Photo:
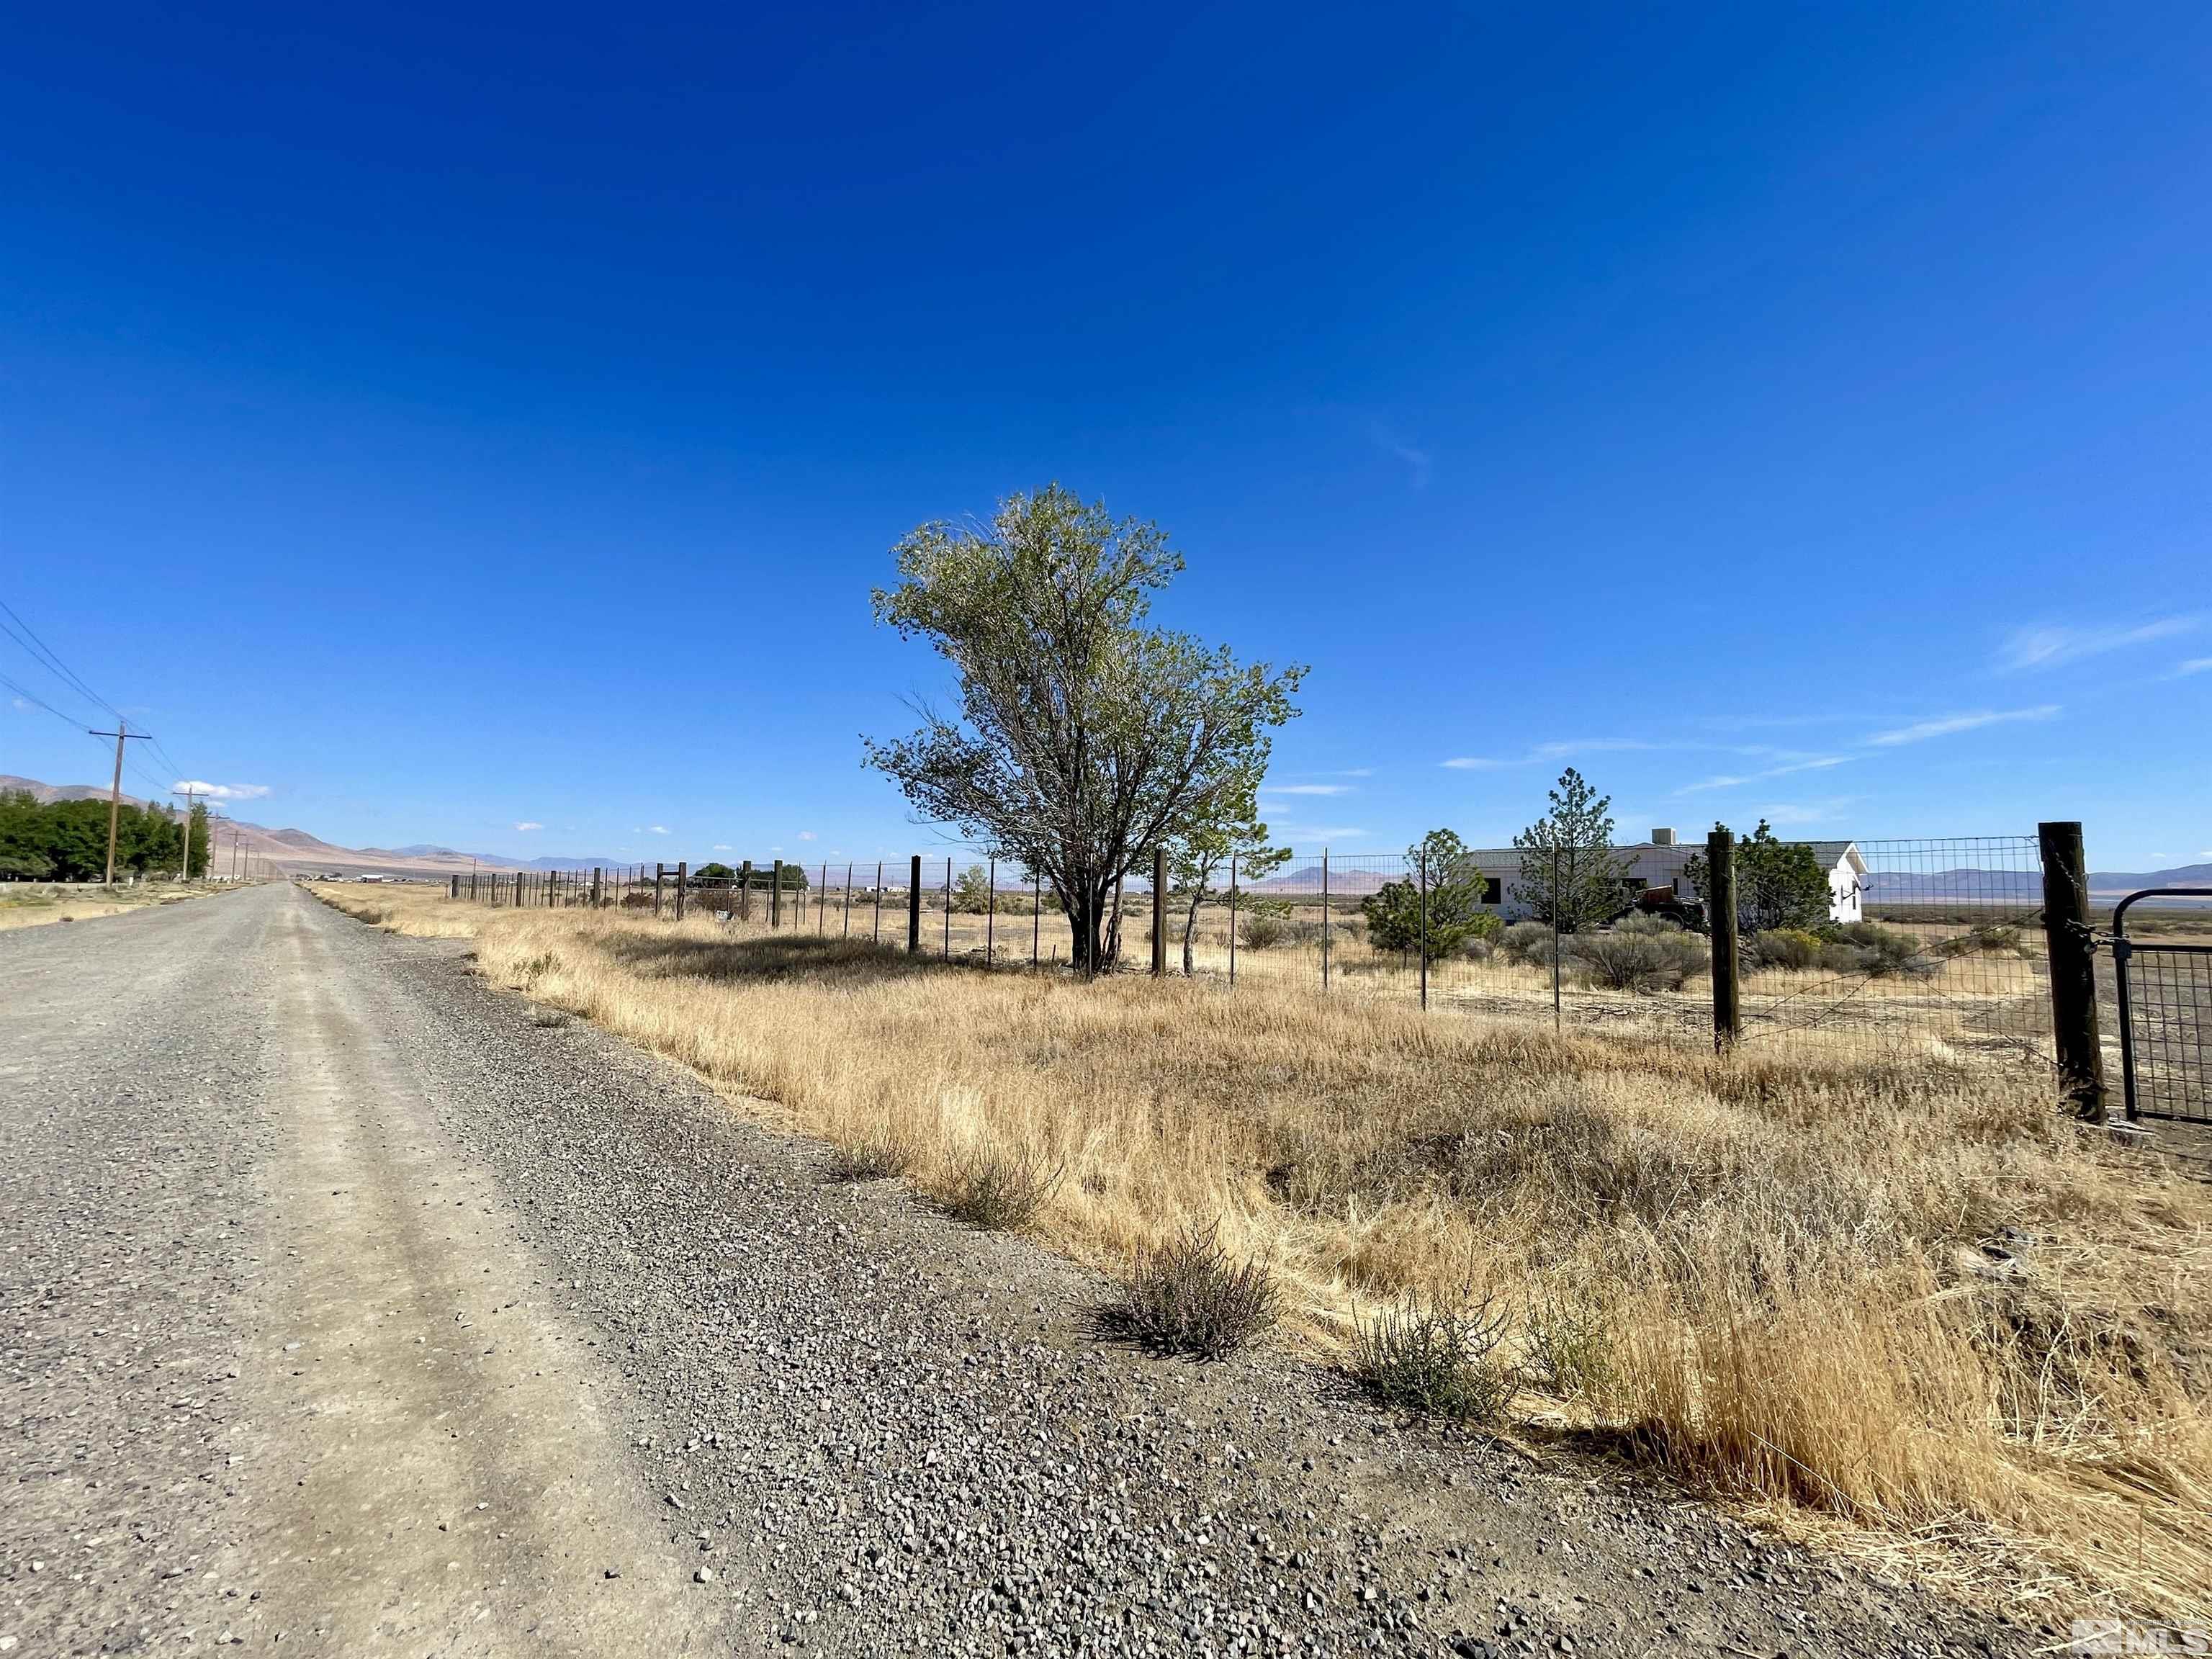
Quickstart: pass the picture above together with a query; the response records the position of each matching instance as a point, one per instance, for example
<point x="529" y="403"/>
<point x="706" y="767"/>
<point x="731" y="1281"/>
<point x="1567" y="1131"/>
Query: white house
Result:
<point x="1660" y="863"/>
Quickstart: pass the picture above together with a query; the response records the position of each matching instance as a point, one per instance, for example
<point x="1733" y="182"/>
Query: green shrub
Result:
<point x="1570" y="1345"/>
<point x="1785" y="947"/>
<point x="1187" y="1296"/>
<point x="1439" y="1356"/>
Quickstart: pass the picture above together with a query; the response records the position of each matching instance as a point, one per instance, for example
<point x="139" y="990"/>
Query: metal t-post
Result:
<point x="1324" y="918"/>
<point x="914" y="906"/>
<point x="948" y="909"/>
<point x="1232" y="918"/>
<point x="1160" y="912"/>
<point x="991" y="915"/>
<point x="1720" y="879"/>
<point x="1425" y="932"/>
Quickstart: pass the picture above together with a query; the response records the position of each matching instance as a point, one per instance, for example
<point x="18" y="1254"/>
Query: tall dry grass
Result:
<point x="1905" y="1298"/>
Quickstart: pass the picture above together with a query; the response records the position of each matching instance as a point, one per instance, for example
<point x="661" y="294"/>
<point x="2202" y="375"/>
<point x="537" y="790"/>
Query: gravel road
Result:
<point x="353" y="1305"/>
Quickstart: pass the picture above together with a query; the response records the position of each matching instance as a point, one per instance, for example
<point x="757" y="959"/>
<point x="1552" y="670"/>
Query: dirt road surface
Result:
<point x="353" y="1306"/>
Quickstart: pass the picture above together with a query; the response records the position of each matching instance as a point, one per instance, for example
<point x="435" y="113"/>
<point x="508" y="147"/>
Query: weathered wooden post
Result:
<point x="1160" y="912"/>
<point x="682" y="881"/>
<point x="658" y="870"/>
<point x="745" y="891"/>
<point x="454" y="891"/>
<point x="775" y="894"/>
<point x="2073" y="971"/>
<point x="1720" y="892"/>
<point x="599" y="885"/>
<point x="913" y="907"/>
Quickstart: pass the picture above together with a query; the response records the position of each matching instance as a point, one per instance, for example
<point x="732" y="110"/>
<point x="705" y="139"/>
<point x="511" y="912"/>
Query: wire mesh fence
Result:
<point x="1934" y="945"/>
<point x="2163" y="1005"/>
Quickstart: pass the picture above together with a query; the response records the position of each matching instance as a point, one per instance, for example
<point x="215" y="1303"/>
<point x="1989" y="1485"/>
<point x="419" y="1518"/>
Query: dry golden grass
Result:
<point x="1904" y="1303"/>
<point x="35" y="904"/>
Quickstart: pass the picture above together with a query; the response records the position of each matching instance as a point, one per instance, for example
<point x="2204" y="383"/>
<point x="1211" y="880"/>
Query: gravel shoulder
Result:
<point x="530" y="1268"/>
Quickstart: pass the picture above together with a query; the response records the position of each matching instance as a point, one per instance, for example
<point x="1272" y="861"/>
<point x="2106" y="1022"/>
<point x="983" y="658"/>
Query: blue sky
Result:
<point x="451" y="426"/>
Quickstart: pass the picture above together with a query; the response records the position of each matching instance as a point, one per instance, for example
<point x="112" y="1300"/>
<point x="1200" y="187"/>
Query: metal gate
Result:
<point x="2165" y="1019"/>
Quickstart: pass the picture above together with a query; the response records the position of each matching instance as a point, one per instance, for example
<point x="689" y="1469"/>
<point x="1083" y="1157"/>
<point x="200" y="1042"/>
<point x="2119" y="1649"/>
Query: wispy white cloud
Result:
<point x="529" y="823"/>
<point x="23" y="703"/>
<point x="656" y="829"/>
<point x="1306" y="789"/>
<point x="724" y="847"/>
<point x="2194" y="665"/>
<point x="1944" y="725"/>
<point x="1321" y="832"/>
<point x="219" y="791"/>
<point x="1564" y="749"/>
<point x="1817" y="764"/>
<point x="806" y="834"/>
<point x="1418" y="460"/>
<point x="2048" y="647"/>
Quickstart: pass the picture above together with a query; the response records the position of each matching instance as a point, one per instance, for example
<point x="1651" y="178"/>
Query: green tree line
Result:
<point x="67" y="839"/>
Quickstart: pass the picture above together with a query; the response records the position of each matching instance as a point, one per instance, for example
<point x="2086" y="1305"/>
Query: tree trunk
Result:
<point x="1190" y="918"/>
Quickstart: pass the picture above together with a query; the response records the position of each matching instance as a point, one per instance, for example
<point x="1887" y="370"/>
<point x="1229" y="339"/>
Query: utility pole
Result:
<point x="115" y="789"/>
<point x="184" y="858"/>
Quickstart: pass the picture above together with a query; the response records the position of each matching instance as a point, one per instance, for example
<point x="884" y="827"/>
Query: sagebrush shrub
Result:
<point x="1643" y="962"/>
<point x="1878" y="952"/>
<point x="1441" y="1355"/>
<point x="1528" y="944"/>
<point x="1188" y="1296"/>
<point x="872" y="1153"/>
<point x="992" y="1187"/>
<point x="1265" y="932"/>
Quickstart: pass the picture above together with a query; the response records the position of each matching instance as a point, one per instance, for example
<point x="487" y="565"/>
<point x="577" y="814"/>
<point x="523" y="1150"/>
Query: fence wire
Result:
<point x="1933" y="945"/>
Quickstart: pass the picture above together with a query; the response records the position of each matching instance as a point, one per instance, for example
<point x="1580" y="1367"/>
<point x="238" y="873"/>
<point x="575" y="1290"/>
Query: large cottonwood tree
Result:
<point x="1083" y="738"/>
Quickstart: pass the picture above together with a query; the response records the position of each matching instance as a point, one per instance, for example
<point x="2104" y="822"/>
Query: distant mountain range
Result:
<point x="297" y="852"/>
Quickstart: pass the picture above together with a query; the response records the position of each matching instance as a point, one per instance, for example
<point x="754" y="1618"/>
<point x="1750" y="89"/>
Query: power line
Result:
<point x="45" y="656"/>
<point x="50" y="660"/>
<point x="31" y="696"/>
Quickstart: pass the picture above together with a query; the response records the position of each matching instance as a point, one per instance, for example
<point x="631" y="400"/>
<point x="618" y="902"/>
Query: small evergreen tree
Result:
<point x="1569" y="872"/>
<point x="1453" y="906"/>
<point x="1778" y="884"/>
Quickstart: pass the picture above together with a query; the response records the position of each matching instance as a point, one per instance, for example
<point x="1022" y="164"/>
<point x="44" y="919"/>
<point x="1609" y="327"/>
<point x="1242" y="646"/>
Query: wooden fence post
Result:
<point x="682" y="881"/>
<point x="454" y="892"/>
<point x="1720" y="886"/>
<point x="913" y="907"/>
<point x="2073" y="971"/>
<point x="745" y="892"/>
<point x="776" y="895"/>
<point x="1160" y="912"/>
<point x="658" y="871"/>
<point x="598" y="889"/>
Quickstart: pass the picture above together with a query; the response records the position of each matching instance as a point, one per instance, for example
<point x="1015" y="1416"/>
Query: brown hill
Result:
<point x="288" y="851"/>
